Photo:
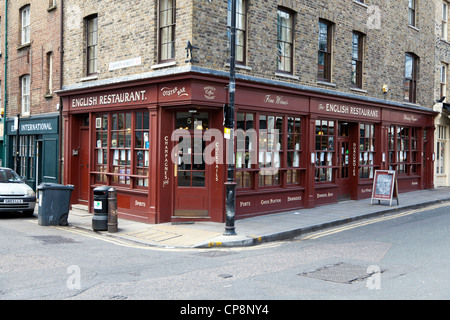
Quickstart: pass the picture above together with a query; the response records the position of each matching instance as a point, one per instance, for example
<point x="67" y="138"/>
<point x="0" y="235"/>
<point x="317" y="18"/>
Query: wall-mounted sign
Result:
<point x="125" y="63"/>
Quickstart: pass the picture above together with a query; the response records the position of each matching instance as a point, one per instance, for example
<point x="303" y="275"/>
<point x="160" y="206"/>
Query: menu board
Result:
<point x="384" y="186"/>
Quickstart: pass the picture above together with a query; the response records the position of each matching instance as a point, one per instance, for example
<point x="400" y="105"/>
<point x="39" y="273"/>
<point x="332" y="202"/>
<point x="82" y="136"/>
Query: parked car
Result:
<point x="15" y="194"/>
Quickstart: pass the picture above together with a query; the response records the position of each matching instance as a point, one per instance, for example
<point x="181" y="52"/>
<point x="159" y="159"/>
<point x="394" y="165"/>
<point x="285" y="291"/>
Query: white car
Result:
<point x="15" y="194"/>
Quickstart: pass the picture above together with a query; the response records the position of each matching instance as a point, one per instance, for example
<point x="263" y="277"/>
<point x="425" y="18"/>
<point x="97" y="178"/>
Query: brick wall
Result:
<point x="129" y="30"/>
<point x="32" y="59"/>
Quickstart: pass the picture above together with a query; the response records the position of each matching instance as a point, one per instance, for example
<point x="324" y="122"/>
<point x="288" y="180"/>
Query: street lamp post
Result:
<point x="230" y="185"/>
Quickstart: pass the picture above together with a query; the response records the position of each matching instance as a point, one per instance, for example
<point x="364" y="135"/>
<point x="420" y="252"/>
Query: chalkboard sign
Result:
<point x="384" y="186"/>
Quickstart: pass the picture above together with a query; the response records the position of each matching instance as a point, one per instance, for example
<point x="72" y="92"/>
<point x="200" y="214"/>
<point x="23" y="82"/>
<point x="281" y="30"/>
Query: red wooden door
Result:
<point x="191" y="174"/>
<point x="84" y="165"/>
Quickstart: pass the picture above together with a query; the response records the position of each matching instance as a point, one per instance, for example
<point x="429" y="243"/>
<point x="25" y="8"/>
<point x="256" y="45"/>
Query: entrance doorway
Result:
<point x="191" y="174"/>
<point x="84" y="165"/>
<point x="344" y="159"/>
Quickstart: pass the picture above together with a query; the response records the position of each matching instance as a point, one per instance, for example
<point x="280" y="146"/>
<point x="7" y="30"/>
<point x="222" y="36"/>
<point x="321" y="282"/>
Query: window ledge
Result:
<point x="414" y="28"/>
<point x="26" y="45"/>
<point x="48" y="95"/>
<point x="411" y="104"/>
<point x="358" y="90"/>
<point x="361" y="4"/>
<point x="163" y="65"/>
<point x="325" y="83"/>
<point x="89" y="78"/>
<point x="285" y="75"/>
<point x="51" y="8"/>
<point x="240" y="66"/>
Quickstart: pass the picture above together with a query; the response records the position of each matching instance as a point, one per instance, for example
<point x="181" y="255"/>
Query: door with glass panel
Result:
<point x="190" y="172"/>
<point x="343" y="161"/>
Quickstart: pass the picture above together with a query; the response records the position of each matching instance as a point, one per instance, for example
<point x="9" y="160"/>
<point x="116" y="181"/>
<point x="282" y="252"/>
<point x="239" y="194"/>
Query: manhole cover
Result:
<point x="54" y="239"/>
<point x="341" y="272"/>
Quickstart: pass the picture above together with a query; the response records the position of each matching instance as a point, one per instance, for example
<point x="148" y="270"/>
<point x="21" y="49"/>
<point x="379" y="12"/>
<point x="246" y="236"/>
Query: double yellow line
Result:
<point x="371" y="221"/>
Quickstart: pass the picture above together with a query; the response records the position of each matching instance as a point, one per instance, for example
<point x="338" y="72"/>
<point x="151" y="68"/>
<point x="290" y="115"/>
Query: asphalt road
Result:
<point x="402" y="256"/>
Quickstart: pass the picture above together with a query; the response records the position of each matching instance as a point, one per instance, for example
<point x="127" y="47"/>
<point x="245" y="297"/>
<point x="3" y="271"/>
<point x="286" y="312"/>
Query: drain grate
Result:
<point x="341" y="273"/>
<point x="53" y="239"/>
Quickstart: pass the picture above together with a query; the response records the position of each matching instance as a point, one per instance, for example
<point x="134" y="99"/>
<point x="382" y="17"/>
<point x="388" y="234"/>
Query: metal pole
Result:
<point x="230" y="185"/>
<point x="112" y="210"/>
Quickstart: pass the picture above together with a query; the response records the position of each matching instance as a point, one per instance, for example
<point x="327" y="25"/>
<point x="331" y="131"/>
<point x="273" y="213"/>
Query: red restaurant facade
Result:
<point x="127" y="135"/>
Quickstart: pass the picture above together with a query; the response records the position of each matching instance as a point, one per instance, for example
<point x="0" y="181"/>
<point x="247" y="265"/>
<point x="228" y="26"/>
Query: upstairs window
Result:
<point x="285" y="40"/>
<point x="241" y="29"/>
<point x="412" y="12"/>
<point x="25" y="25"/>
<point x="357" y="59"/>
<point x="410" y="83"/>
<point x="167" y="10"/>
<point x="91" y="44"/>
<point x="444" y="25"/>
<point x="25" y="94"/>
<point x="324" y="52"/>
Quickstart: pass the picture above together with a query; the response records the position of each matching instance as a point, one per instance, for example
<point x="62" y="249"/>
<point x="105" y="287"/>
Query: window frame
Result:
<point x="357" y="60"/>
<point x="412" y="7"/>
<point x="91" y="45"/>
<point x="444" y="23"/>
<point x="327" y="53"/>
<point x="25" y="101"/>
<point x="410" y="80"/>
<point x="170" y="26"/>
<point x="285" y="42"/>
<point x="443" y="81"/>
<point x="367" y="150"/>
<point x="328" y="154"/>
<point x="241" y="31"/>
<point x="25" y="25"/>
<point x="441" y="145"/>
<point x="403" y="150"/>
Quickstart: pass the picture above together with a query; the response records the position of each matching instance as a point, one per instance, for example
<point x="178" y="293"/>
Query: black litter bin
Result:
<point x="54" y="204"/>
<point x="100" y="218"/>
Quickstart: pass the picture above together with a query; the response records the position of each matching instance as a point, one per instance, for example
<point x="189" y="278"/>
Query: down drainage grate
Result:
<point x="54" y="239"/>
<point x="341" y="273"/>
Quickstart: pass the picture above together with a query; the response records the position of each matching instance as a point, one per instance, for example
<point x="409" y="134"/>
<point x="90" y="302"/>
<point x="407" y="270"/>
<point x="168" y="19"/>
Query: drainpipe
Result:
<point x="5" y="95"/>
<point x="61" y="63"/>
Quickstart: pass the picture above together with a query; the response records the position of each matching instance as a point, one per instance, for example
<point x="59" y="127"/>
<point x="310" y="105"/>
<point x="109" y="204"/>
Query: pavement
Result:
<point x="260" y="229"/>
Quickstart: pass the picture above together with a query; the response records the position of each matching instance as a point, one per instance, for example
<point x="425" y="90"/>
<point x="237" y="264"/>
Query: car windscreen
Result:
<point x="7" y="175"/>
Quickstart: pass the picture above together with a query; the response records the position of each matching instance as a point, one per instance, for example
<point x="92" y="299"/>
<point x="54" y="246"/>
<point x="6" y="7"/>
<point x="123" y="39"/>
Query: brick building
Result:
<point x="441" y="94"/>
<point x="347" y="84"/>
<point x="30" y="77"/>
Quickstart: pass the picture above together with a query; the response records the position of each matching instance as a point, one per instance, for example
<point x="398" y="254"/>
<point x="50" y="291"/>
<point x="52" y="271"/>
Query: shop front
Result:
<point x="33" y="149"/>
<point x="161" y="144"/>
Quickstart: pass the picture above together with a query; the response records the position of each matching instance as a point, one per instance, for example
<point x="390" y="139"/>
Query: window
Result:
<point x="241" y="28"/>
<point x="403" y="150"/>
<point x="25" y="94"/>
<point x="246" y="145"/>
<point x="443" y="79"/>
<point x="166" y="30"/>
<point x="49" y="73"/>
<point x="92" y="44"/>
<point x="412" y="12"/>
<point x="270" y="151"/>
<point x="367" y="150"/>
<point x="25" y="23"/>
<point x="324" y="150"/>
<point x="410" y="84"/>
<point x="440" y="150"/>
<point x="26" y="156"/>
<point x="122" y="149"/>
<point x="285" y="41"/>
<point x="101" y="147"/>
<point x="357" y="59"/>
<point x="293" y="150"/>
<point x="324" y="52"/>
<point x="444" y="26"/>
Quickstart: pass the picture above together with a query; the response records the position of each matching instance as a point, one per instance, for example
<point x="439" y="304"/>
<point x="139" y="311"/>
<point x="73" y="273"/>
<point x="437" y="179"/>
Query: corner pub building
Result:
<point x="122" y="134"/>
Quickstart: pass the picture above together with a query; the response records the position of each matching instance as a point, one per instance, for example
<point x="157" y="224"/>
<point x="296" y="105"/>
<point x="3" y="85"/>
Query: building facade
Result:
<point x="31" y="75"/>
<point x="441" y="94"/>
<point x="327" y="92"/>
